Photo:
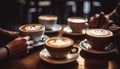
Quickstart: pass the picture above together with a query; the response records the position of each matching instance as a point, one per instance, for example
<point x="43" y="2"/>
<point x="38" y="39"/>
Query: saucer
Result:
<point x="55" y="28"/>
<point x="87" y="47"/>
<point x="41" y="42"/>
<point x="68" y="30"/>
<point x="44" y="55"/>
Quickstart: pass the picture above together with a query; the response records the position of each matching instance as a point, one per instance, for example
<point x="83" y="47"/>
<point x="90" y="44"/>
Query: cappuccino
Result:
<point x="59" y="47"/>
<point x="31" y="27"/>
<point x="77" y="20"/>
<point x="99" y="33"/>
<point x="47" y="17"/>
<point x="77" y="24"/>
<point x="49" y="21"/>
<point x="98" y="38"/>
<point x="35" y="31"/>
<point x="59" y="42"/>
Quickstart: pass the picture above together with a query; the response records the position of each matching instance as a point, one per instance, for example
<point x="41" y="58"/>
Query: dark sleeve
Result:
<point x="118" y="8"/>
<point x="115" y="15"/>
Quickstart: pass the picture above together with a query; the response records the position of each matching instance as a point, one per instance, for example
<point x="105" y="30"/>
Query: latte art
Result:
<point x="99" y="39"/>
<point x="99" y="33"/>
<point x="59" y="47"/>
<point x="59" y="42"/>
<point x="31" y="27"/>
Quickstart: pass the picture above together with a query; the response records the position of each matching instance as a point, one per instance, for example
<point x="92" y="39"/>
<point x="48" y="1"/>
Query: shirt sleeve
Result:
<point x="115" y="15"/>
<point x="118" y="8"/>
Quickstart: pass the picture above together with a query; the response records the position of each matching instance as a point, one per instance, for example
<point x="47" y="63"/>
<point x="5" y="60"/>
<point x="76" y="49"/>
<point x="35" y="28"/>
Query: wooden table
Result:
<point x="85" y="61"/>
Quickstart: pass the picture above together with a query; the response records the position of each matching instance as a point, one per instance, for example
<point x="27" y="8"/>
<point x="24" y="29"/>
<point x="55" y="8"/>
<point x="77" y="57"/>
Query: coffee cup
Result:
<point x="78" y="24"/>
<point x="35" y="31"/>
<point x="49" y="21"/>
<point x="59" y="47"/>
<point x="98" y="38"/>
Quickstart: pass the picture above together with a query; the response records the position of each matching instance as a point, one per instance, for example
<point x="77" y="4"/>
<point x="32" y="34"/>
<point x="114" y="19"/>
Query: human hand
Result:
<point x="18" y="47"/>
<point x="98" y="20"/>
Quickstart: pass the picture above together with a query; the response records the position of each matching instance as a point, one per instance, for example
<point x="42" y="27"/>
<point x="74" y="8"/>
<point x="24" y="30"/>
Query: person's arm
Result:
<point x="115" y="15"/>
<point x="16" y="48"/>
<point x="3" y="53"/>
<point x="99" y="21"/>
<point x="105" y="20"/>
<point x="8" y="33"/>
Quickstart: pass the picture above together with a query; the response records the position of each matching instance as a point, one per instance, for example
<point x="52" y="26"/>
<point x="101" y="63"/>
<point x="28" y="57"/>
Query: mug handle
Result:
<point x="74" y="49"/>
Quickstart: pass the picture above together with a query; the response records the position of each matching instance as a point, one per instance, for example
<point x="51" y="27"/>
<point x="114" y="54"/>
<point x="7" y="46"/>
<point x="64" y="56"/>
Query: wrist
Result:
<point x="8" y="51"/>
<point x="4" y="54"/>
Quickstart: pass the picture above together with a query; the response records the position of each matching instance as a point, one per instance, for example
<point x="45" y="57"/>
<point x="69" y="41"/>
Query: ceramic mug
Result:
<point x="59" y="47"/>
<point x="49" y="21"/>
<point x="77" y="24"/>
<point x="98" y="38"/>
<point x="35" y="31"/>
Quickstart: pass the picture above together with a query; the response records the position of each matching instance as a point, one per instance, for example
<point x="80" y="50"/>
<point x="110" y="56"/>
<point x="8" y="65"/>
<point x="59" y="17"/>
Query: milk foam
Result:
<point x="31" y="27"/>
<point x="100" y="33"/>
<point x="59" y="42"/>
<point x="47" y="17"/>
<point x="77" y="20"/>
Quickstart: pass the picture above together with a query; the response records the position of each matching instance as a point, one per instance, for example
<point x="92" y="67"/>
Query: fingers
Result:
<point x="96" y="15"/>
<point x="30" y="42"/>
<point x="27" y="37"/>
<point x="28" y="49"/>
<point x="102" y="13"/>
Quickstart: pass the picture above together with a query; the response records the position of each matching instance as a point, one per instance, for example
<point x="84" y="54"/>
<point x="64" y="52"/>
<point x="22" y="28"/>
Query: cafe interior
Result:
<point x="15" y="13"/>
<point x="27" y="11"/>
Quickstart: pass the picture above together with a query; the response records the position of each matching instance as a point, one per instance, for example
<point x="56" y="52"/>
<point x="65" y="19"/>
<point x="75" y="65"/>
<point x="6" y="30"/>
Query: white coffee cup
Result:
<point x="77" y="24"/>
<point x="35" y="31"/>
<point x="49" y="21"/>
<point x="59" y="47"/>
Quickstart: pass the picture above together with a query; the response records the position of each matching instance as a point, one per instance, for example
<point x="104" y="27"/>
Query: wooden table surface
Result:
<point x="86" y="60"/>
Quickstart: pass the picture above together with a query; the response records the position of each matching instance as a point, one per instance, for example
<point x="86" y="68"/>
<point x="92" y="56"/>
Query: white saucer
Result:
<point x="41" y="42"/>
<point x="68" y="30"/>
<point x="87" y="47"/>
<point x="44" y="55"/>
<point x="55" y="28"/>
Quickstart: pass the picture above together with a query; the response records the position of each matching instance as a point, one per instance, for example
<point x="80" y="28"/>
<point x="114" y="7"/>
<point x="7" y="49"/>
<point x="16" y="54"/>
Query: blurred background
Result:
<point x="14" y="13"/>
